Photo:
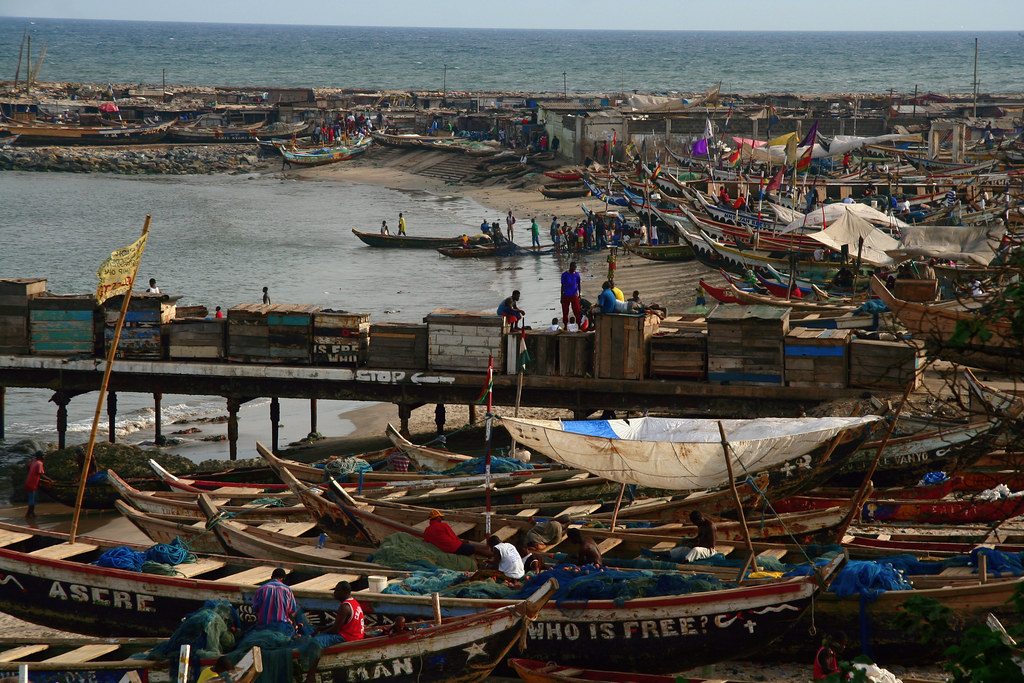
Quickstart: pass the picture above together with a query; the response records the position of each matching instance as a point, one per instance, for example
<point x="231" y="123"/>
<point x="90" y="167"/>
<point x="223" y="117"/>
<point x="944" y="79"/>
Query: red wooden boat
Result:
<point x="955" y="511"/>
<point x="719" y="294"/>
<point x="564" y="175"/>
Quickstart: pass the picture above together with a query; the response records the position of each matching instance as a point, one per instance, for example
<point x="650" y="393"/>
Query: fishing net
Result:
<point x="405" y="551"/>
<point x="868" y="579"/>
<point x="999" y="562"/>
<point x="158" y="559"/>
<point x="499" y="465"/>
<point x="425" y="582"/>
<point x="581" y="584"/>
<point x="340" y="468"/>
<point x="208" y="631"/>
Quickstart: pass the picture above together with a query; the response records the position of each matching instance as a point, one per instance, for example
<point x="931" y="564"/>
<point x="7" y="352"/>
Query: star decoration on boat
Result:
<point x="474" y="650"/>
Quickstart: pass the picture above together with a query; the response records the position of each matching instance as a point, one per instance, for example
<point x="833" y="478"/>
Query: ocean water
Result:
<point x="516" y="60"/>
<point x="218" y="240"/>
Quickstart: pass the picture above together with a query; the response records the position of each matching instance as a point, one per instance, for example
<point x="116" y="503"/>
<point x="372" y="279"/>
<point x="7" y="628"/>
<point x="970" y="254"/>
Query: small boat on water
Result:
<point x="480" y="251"/>
<point x="410" y="242"/>
<point x="105" y="133"/>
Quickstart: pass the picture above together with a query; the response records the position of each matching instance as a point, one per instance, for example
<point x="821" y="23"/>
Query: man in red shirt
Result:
<point x="348" y="624"/>
<point x="439" y="534"/>
<point x="35" y="473"/>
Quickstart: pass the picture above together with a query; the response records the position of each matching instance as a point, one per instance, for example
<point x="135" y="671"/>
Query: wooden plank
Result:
<point x="251" y="577"/>
<point x="23" y="651"/>
<point x="324" y="582"/>
<point x="191" y="569"/>
<point x="584" y="509"/>
<point x="63" y="550"/>
<point x="83" y="654"/>
<point x="11" y="537"/>
<point x="506" y="532"/>
<point x="607" y="544"/>
<point x="527" y="512"/>
<point x="288" y="528"/>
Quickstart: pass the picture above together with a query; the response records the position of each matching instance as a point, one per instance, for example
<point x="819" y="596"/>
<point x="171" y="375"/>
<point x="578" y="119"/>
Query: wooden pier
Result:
<point x="238" y="383"/>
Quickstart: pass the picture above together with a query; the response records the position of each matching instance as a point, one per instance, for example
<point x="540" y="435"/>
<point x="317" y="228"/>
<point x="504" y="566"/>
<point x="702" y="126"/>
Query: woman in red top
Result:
<point x="826" y="661"/>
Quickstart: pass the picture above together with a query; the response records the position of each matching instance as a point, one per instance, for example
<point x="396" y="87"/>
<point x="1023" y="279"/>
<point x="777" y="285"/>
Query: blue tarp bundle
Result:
<point x="590" y="428"/>
<point x="499" y="465"/>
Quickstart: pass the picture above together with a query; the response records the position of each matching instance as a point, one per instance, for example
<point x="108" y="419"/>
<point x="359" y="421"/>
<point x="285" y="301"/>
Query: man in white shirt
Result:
<point x="153" y="289"/>
<point x="506" y="558"/>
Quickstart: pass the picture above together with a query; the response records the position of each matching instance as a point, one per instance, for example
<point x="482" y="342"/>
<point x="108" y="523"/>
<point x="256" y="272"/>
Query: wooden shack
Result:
<point x="543" y="349"/>
<point x="270" y="333"/>
<point x="397" y="345"/>
<point x="817" y="357"/>
<point x="745" y="344"/>
<point x="340" y="338"/>
<point x="575" y="354"/>
<point x="64" y="324"/>
<point x="886" y="365"/>
<point x="196" y="339"/>
<point x="620" y="349"/>
<point x="465" y="341"/>
<point x="15" y="294"/>
<point x="141" y="332"/>
<point x="679" y="355"/>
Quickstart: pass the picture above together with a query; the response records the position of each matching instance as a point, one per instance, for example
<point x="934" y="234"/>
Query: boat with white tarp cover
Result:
<point x="679" y="453"/>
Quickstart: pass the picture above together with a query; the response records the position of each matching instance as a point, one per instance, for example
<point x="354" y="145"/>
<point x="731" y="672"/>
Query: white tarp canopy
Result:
<point x="676" y="453"/>
<point x="776" y="154"/>
<point x="848" y="229"/>
<point x="830" y="213"/>
<point x="975" y="243"/>
<point x="841" y="144"/>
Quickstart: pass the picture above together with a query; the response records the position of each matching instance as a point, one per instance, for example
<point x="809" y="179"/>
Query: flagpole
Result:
<point x="111" y="353"/>
<point x="487" y="456"/>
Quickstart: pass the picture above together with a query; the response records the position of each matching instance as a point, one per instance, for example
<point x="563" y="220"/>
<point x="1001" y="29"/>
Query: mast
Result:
<point x="975" y="78"/>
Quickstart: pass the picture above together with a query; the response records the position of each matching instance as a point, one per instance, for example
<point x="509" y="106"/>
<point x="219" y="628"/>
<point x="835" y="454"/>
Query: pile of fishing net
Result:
<point x="210" y="631"/>
<point x="450" y="584"/>
<point x="580" y="584"/>
<point x="499" y="465"/>
<point x="405" y="551"/>
<point x="340" y="468"/>
<point x="158" y="559"/>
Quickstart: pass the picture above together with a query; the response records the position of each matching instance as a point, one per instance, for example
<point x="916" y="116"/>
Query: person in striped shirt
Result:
<point x="275" y="606"/>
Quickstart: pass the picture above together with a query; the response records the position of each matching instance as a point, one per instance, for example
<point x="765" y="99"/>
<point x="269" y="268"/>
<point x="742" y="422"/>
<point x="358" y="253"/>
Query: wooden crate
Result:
<point x="465" y="341"/>
<point x="885" y="365"/>
<point x="543" y="349"/>
<point x="141" y="334"/>
<point x="916" y="290"/>
<point x="681" y="355"/>
<point x="196" y="339"/>
<point x="817" y="357"/>
<point x="340" y="338"/>
<point x="15" y="294"/>
<point x="745" y="344"/>
<point x="575" y="354"/>
<point x="620" y="350"/>
<point x="397" y="345"/>
<point x="270" y="333"/>
<point x="64" y="325"/>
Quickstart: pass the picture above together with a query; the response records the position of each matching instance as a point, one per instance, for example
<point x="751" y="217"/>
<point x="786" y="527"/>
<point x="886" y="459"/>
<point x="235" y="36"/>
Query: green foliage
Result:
<point x="924" y="619"/>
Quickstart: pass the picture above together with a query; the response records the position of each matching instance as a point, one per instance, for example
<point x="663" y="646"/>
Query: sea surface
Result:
<point x="218" y="240"/>
<point x="515" y="60"/>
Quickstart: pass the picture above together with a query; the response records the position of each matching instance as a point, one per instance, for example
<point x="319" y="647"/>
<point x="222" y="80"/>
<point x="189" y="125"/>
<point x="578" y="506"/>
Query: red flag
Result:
<point x="735" y="156"/>
<point x="776" y="182"/>
<point x="805" y="161"/>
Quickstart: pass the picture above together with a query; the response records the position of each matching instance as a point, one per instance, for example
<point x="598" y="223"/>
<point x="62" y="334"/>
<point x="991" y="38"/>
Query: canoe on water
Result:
<point x="417" y="242"/>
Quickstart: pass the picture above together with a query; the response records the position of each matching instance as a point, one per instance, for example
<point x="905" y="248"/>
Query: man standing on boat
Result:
<point x="570" y="293"/>
<point x="384" y="228"/>
<point x="401" y="225"/>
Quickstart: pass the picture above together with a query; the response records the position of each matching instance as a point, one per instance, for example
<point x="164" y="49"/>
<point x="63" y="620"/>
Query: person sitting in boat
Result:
<point x="740" y="204"/>
<point x="844" y="278"/>
<point x="464" y="241"/>
<point x="384" y="228"/>
<point x="826" y="661"/>
<point x="505" y="558"/>
<point x="533" y="562"/>
<point x="701" y="547"/>
<point x="546" y="534"/>
<point x="275" y="606"/>
<point x="587" y="550"/>
<point x="639" y="306"/>
<point x="439" y="534"/>
<point x="485" y="227"/>
<point x="348" y="626"/>
<point x="509" y="308"/>
<point x="723" y="197"/>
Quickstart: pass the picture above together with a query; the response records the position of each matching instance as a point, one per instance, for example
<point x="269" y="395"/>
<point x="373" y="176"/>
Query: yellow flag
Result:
<point x="117" y="274"/>
<point x="791" y="150"/>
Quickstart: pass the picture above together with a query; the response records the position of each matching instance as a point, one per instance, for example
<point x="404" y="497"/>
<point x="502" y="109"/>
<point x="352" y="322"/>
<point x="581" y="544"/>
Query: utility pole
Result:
<point x="975" y="78"/>
<point x="444" y="86"/>
<point x="565" y="87"/>
<point x="915" y="99"/>
<point x="163" y="92"/>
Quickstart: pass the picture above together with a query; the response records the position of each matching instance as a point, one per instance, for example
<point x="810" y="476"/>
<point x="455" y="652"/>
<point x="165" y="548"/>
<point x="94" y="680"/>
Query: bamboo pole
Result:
<point x="103" y="390"/>
<point x="618" y="504"/>
<point x="739" y="506"/>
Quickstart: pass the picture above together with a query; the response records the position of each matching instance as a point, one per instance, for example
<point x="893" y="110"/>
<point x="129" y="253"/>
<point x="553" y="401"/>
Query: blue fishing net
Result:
<point x="580" y="584"/>
<point x="209" y="632"/>
<point x="873" y="306"/>
<point x="499" y="465"/>
<point x="340" y="468"/>
<point x="425" y="582"/>
<point x="157" y="559"/>
<point x="999" y="562"/>
<point x="865" y="578"/>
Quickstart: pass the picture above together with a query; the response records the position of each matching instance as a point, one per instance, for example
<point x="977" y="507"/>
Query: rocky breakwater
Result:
<point x="175" y="160"/>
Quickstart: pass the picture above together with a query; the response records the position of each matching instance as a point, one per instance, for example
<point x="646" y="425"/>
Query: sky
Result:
<point x="728" y="15"/>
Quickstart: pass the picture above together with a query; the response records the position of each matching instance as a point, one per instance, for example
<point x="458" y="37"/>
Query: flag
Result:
<point x="656" y="173"/>
<point x="482" y="398"/>
<point x="776" y="182"/>
<point x="727" y="117"/>
<point x="773" y="120"/>
<point x="630" y="148"/>
<point x="791" y="155"/>
<point x="709" y="130"/>
<point x="700" y="147"/>
<point x="117" y="274"/>
<point x="735" y="156"/>
<point x="804" y="163"/>
<point x="811" y="136"/>
<point x="524" y="354"/>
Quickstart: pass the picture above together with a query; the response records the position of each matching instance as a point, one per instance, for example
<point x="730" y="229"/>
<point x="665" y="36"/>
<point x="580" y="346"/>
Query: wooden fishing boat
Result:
<point x="1004" y="405"/>
<point x="184" y="503"/>
<point x="679" y="454"/>
<point x="407" y="242"/>
<point x="533" y="671"/>
<point x="661" y="252"/>
<point x="480" y="251"/>
<point x="718" y="293"/>
<point x="567" y="174"/>
<point x="571" y="192"/>
<point x="69" y="658"/>
<point x="755" y="299"/>
<point x="425" y="457"/>
<point x="107" y="133"/>
<point x="911" y="511"/>
<point x="199" y="133"/>
<point x="326" y="155"/>
<point x="988" y="341"/>
<point x="465" y="648"/>
<point x="99" y="495"/>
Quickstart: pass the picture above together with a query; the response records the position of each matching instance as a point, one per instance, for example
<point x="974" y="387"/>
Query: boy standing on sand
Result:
<point x="35" y="473"/>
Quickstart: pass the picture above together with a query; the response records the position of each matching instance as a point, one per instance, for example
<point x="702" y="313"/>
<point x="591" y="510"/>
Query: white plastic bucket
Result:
<point x="377" y="583"/>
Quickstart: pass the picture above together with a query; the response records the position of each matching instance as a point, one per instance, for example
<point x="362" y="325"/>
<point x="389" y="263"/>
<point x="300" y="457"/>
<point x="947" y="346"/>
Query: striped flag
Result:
<point x="524" y="354"/>
<point x="656" y="173"/>
<point x="804" y="163"/>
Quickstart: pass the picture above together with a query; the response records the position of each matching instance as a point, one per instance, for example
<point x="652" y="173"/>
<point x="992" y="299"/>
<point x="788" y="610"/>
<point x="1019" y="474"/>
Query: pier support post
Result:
<point x="62" y="400"/>
<point x="111" y="415"/>
<point x="3" y="397"/>
<point x="404" y="413"/>
<point x="472" y="413"/>
<point x="312" y="416"/>
<point x="158" y="436"/>
<point x="233" y="405"/>
<point x="275" y="420"/>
